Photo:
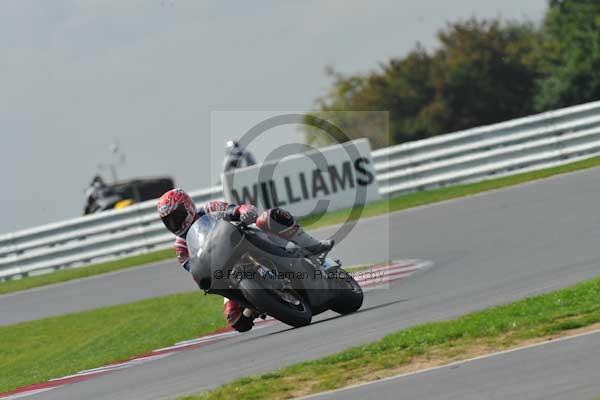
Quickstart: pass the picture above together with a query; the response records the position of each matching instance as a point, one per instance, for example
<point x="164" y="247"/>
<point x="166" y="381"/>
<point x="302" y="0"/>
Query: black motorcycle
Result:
<point x="267" y="274"/>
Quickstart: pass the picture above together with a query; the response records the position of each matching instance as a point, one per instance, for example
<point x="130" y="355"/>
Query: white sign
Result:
<point x="327" y="179"/>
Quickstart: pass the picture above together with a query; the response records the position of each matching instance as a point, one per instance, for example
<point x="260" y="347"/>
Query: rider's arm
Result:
<point x="181" y="253"/>
<point x="233" y="212"/>
<point x="221" y="209"/>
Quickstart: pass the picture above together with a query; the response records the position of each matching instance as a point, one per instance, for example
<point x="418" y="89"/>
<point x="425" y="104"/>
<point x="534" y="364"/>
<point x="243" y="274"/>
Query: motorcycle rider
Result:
<point x="236" y="156"/>
<point x="178" y="212"/>
<point x="99" y="196"/>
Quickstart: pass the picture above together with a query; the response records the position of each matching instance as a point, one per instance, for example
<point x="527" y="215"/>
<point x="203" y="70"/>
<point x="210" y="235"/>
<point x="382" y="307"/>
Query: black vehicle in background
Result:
<point x="101" y="196"/>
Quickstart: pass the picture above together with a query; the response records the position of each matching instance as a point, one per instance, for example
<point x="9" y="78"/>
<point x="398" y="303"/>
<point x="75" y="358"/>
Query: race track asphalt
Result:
<point x="119" y="287"/>
<point x="557" y="370"/>
<point x="487" y="249"/>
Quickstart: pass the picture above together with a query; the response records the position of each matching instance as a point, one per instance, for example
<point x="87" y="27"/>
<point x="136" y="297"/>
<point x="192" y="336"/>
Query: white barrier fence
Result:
<point x="516" y="146"/>
<point x="511" y="147"/>
<point x="105" y="236"/>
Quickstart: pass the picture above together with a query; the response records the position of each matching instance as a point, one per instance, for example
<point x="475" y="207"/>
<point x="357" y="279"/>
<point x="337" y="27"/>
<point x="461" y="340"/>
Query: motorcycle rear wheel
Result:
<point x="349" y="299"/>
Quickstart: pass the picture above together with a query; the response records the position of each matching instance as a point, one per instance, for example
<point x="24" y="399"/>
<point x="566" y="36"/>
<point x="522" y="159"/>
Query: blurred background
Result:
<point x="87" y="84"/>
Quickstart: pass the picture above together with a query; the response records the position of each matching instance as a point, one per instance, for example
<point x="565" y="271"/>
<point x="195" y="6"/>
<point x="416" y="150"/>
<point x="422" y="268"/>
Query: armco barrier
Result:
<point x="511" y="147"/>
<point x="515" y="146"/>
<point x="104" y="236"/>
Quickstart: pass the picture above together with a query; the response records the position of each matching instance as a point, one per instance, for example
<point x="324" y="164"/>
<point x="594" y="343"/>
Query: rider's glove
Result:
<point x="186" y="266"/>
<point x="246" y="213"/>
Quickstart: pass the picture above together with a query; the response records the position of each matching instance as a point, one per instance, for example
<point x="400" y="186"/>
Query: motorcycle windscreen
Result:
<point x="216" y="244"/>
<point x="198" y="233"/>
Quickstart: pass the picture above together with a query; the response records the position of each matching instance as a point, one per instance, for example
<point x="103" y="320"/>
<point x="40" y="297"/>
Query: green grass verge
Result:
<point x="314" y="222"/>
<point x="495" y="328"/>
<point x="76" y="273"/>
<point x="36" y="351"/>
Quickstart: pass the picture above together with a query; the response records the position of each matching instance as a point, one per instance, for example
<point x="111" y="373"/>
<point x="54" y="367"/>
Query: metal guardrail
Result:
<point x="516" y="146"/>
<point x="511" y="147"/>
<point x="101" y="237"/>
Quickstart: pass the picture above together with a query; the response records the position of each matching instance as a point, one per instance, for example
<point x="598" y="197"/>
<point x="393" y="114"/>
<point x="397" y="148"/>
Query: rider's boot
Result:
<point x="234" y="313"/>
<point x="311" y="244"/>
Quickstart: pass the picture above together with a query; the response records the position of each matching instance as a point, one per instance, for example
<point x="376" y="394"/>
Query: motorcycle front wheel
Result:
<point x="286" y="306"/>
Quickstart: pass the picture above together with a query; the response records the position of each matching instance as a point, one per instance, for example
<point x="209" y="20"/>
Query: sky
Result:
<point x="78" y="75"/>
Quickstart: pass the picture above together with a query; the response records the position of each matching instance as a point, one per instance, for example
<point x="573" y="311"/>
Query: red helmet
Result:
<point x="177" y="211"/>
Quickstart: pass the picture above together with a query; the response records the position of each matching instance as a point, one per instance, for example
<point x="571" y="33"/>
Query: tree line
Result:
<point x="483" y="71"/>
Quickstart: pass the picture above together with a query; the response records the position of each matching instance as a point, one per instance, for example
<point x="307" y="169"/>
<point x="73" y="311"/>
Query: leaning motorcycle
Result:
<point x="267" y="274"/>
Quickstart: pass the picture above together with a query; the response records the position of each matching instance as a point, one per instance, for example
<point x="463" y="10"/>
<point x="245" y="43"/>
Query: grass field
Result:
<point x="36" y="351"/>
<point x="314" y="222"/>
<point x="537" y="318"/>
